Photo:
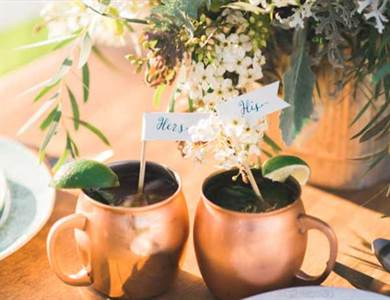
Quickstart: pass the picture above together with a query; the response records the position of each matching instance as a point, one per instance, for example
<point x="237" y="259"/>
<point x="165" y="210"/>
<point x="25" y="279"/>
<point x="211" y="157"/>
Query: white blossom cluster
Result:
<point x="374" y="9"/>
<point x="64" y="18"/>
<point x="207" y="85"/>
<point x="232" y="143"/>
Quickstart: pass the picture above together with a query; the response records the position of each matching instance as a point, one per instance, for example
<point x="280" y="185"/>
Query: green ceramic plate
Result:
<point x="32" y="199"/>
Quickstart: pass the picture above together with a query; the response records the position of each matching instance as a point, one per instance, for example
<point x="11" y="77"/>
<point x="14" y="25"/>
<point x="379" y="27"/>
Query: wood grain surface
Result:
<point x="118" y="98"/>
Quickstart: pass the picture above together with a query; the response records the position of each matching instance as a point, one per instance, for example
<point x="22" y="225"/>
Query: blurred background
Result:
<point x="17" y="23"/>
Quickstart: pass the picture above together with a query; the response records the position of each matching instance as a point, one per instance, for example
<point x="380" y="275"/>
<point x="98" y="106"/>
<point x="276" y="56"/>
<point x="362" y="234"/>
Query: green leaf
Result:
<point x="270" y="142"/>
<point x="48" y="42"/>
<point x="61" y="160"/>
<point x="103" y="57"/>
<point x="96" y="131"/>
<point x="298" y="90"/>
<point x="157" y="95"/>
<point x="381" y="73"/>
<point x="244" y="6"/>
<point x="45" y="90"/>
<point x="85" y="50"/>
<point x="50" y="133"/>
<point x="64" y="43"/>
<point x="190" y="105"/>
<point x="64" y="69"/>
<point x="376" y="129"/>
<point x="375" y="161"/>
<point x="372" y="121"/>
<point x="85" y="174"/>
<point x="46" y="122"/>
<point x="172" y="103"/>
<point x="266" y="153"/>
<point x="360" y="113"/>
<point x="85" y="72"/>
<point x="36" y="116"/>
<point x="71" y="145"/>
<point x="75" y="109"/>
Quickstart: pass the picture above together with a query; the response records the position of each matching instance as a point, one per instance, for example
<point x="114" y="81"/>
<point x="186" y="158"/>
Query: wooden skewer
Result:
<point x="142" y="167"/>
<point x="255" y="187"/>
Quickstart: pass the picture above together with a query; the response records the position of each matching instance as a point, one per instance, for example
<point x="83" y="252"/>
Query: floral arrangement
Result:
<point x="213" y="50"/>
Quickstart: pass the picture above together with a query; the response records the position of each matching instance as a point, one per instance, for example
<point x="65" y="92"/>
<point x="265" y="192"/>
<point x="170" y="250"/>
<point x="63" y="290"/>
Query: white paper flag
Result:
<point x="252" y="106"/>
<point x="169" y="126"/>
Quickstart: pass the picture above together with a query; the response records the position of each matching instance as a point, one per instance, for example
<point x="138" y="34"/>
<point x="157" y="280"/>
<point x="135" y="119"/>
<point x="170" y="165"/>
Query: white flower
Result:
<point x="302" y="12"/>
<point x="241" y="41"/>
<point x="193" y="90"/>
<point x="195" y="151"/>
<point x="234" y="128"/>
<point x="204" y="76"/>
<point x="374" y="9"/>
<point x="254" y="150"/>
<point x="244" y="42"/>
<point x="258" y="59"/>
<point x="236" y="61"/>
<point x="206" y="130"/>
<point x="234" y="17"/>
<point x="222" y="91"/>
<point x="222" y="40"/>
<point x="249" y="77"/>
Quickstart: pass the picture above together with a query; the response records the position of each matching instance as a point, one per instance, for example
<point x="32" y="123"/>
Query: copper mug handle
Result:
<point x="306" y="223"/>
<point x="74" y="221"/>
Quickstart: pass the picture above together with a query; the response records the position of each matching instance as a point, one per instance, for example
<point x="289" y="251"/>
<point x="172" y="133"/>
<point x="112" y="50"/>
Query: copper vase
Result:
<point x="127" y="253"/>
<point x="242" y="254"/>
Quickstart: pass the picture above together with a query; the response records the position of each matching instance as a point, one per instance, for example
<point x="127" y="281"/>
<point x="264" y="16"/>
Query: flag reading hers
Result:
<point x="252" y="106"/>
<point x="165" y="127"/>
<point x="169" y="126"/>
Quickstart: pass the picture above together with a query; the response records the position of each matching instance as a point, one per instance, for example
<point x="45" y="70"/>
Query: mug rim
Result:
<point x="219" y="208"/>
<point x="140" y="208"/>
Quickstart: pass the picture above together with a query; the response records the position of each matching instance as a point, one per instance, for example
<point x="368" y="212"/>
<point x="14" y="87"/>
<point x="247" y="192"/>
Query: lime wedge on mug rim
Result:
<point x="279" y="168"/>
<point x="85" y="174"/>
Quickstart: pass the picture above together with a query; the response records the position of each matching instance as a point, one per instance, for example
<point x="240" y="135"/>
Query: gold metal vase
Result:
<point x="242" y="254"/>
<point x="127" y="253"/>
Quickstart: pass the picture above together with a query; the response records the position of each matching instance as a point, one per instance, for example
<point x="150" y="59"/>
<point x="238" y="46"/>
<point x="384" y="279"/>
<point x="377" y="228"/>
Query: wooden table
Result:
<point x="117" y="99"/>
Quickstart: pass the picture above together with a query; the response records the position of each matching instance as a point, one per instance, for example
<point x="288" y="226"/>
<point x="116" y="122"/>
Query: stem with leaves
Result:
<point x="52" y="109"/>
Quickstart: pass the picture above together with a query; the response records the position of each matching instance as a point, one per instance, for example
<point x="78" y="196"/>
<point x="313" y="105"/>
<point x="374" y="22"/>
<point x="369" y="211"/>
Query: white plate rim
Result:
<point x="274" y="294"/>
<point x="5" y="199"/>
<point x="25" y="238"/>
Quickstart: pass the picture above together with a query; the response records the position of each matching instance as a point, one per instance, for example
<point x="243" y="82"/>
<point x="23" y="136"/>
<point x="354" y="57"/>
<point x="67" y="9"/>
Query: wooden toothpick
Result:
<point x="255" y="187"/>
<point x="142" y="167"/>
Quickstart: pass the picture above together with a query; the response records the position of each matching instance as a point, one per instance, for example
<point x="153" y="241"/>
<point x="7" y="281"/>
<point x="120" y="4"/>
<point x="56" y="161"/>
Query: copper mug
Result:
<point x="130" y="253"/>
<point x="242" y="254"/>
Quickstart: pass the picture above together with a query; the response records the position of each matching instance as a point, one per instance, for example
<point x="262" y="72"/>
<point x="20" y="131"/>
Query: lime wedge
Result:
<point x="280" y="167"/>
<point x="85" y="174"/>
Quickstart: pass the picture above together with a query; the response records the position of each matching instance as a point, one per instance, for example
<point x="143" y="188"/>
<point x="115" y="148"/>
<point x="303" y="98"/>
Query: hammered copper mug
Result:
<point x="130" y="253"/>
<point x="241" y="254"/>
